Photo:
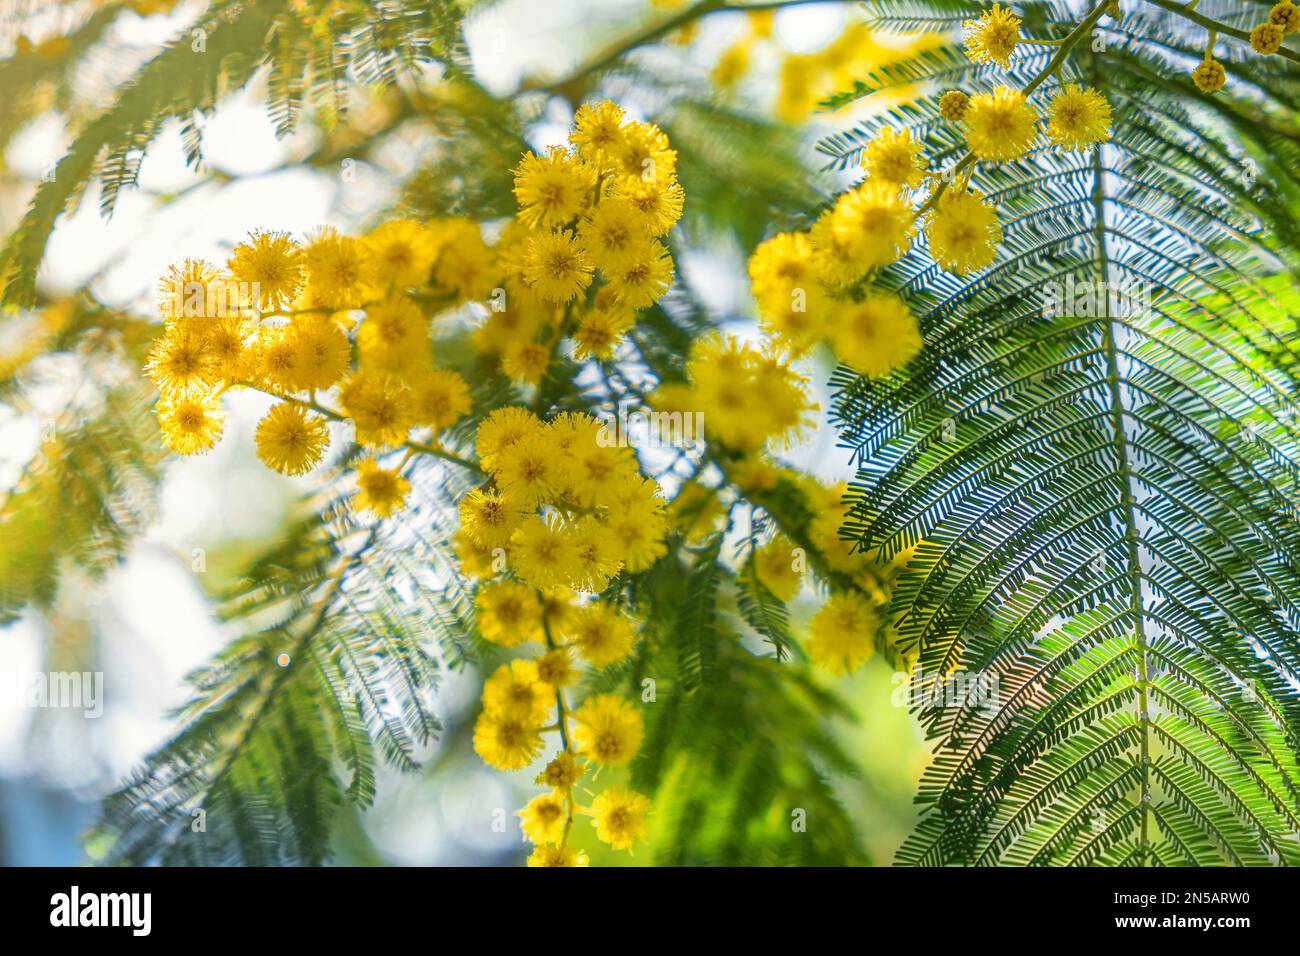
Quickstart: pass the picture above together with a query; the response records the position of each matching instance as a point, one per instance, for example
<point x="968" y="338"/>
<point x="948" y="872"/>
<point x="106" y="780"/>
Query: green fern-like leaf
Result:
<point x="311" y="54"/>
<point x="1103" y="499"/>
<point x="81" y="502"/>
<point x="348" y="630"/>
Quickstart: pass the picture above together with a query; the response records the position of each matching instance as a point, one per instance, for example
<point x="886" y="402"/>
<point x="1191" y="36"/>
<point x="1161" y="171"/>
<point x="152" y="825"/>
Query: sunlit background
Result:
<point x="149" y="622"/>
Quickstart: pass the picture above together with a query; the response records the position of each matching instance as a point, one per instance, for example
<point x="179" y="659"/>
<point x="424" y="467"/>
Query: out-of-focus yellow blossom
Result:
<point x="842" y="634"/>
<point x="620" y="817"/>
<point x="381" y="491"/>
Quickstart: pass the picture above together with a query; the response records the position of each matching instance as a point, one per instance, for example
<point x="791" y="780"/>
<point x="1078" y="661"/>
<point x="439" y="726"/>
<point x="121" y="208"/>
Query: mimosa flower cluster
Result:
<point x="332" y="329"/>
<point x="816" y="285"/>
<point x="564" y="508"/>
<point x="527" y="700"/>
<point x="340" y="332"/>
<point x="585" y="251"/>
<point x="352" y="317"/>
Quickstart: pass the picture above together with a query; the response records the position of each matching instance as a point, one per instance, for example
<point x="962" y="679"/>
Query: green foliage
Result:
<point x="737" y="753"/>
<point x="345" y="632"/>
<point x="1103" y="501"/>
<point x="80" y="502"/>
<point x="739" y="167"/>
<point x="310" y="58"/>
<point x="340" y="632"/>
<point x="30" y="79"/>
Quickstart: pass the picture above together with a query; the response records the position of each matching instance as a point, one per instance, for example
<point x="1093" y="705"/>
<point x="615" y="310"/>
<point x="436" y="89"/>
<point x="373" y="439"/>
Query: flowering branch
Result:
<point x="1188" y="12"/>
<point x="1066" y="45"/>
<point x="337" y="416"/>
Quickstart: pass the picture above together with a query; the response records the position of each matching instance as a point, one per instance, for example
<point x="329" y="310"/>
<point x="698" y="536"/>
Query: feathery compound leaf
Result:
<point x="83" y="499"/>
<point x="341" y="665"/>
<point x="222" y="50"/>
<point x="1095" y="456"/>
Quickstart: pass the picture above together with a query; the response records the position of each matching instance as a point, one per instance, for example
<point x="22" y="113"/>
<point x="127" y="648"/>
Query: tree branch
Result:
<point x="655" y="32"/>
<point x="1188" y="13"/>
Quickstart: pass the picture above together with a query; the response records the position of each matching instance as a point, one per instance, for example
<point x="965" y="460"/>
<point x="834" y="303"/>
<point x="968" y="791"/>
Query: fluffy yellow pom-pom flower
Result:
<point x="644" y="277"/>
<point x="875" y="336"/>
<point x="181" y="363"/>
<point x="596" y="129"/>
<point x="1078" y="118"/>
<point x="641" y="153"/>
<point x="507" y="613"/>
<point x="792" y="305"/>
<point x="1267" y="38"/>
<point x="227" y="342"/>
<point x="557" y="856"/>
<point x="543" y="551"/>
<point x="526" y="363"/>
<point x="505" y="742"/>
<point x="381" y="407"/>
<point x="610" y="233"/>
<point x="609" y="729"/>
<point x="340" y="270"/>
<point x="658" y="204"/>
<point x="319" y="353"/>
<point x="441" y="398"/>
<point x="465" y="266"/>
<point x="500" y="430"/>
<point x="561" y="773"/>
<point x="542" y="820"/>
<point x="894" y="157"/>
<point x="840" y="634"/>
<point x="873" y="222"/>
<point x="748" y="398"/>
<point x="1209" y="76"/>
<point x="394" y="338"/>
<point x="993" y="37"/>
<point x="528" y="472"/>
<point x="555" y="669"/>
<point x="381" y="491"/>
<point x="953" y="104"/>
<point x="963" y="231"/>
<point x="1000" y="125"/>
<point x="1285" y="15"/>
<point x="636" y="518"/>
<point x="290" y="440"/>
<point x="556" y="266"/>
<point x="553" y="189"/>
<point x="488" y="518"/>
<point x="190" y="424"/>
<point x="774" y="564"/>
<point x="514" y="691"/>
<point x="189" y="290"/>
<point x="402" y="252"/>
<point x="597" y="555"/>
<point x="602" y="635"/>
<point x="600" y="333"/>
<point x="782" y="263"/>
<point x="273" y="356"/>
<point x="620" y="817"/>
<point x="270" y="264"/>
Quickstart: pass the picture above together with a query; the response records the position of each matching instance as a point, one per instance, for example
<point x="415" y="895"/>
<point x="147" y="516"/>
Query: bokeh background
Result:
<point x="148" y="621"/>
